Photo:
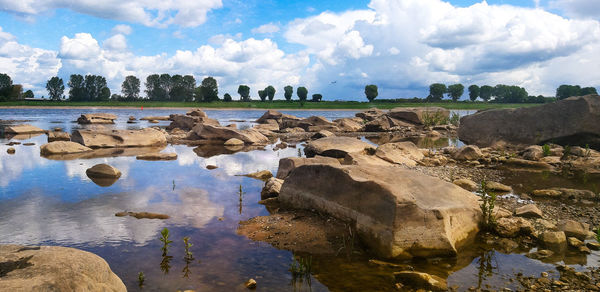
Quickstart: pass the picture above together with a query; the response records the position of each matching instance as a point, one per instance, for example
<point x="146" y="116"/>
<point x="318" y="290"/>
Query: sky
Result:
<point x="331" y="47"/>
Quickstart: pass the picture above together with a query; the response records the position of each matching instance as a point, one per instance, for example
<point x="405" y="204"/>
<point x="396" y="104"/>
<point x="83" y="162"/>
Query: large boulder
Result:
<point x="197" y="113"/>
<point x="103" y="171"/>
<point x="99" y="118"/>
<point x="269" y="115"/>
<point x="469" y="152"/>
<point x="384" y="123"/>
<point x="336" y="147"/>
<point x="249" y="136"/>
<point x="22" y="129"/>
<point x="572" y="121"/>
<point x="398" y="212"/>
<point x="420" y="115"/>
<point x="187" y="122"/>
<point x="119" y="138"/>
<point x="286" y="165"/>
<point x="54" y="268"/>
<point x="405" y="153"/>
<point x="370" y="114"/>
<point x="348" y="125"/>
<point x="62" y="147"/>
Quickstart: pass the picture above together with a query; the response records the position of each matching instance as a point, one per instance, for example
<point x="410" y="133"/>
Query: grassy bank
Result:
<point x="270" y="105"/>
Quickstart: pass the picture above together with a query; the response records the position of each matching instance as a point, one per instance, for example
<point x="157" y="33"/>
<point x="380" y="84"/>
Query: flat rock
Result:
<point x="119" y="138"/>
<point x="209" y="132"/>
<point x="348" y="125"/>
<point x="187" y="122"/>
<point x="197" y="113"/>
<point x="58" y="136"/>
<point x="22" y="129"/>
<point x="269" y="115"/>
<point x="103" y="171"/>
<point x="512" y="226"/>
<point x="527" y="164"/>
<point x="398" y="212"/>
<point x="262" y="175"/>
<point x="572" y="228"/>
<point x="143" y="215"/>
<point x="98" y="118"/>
<point x="497" y="187"/>
<point x="55" y="268"/>
<point x="288" y="164"/>
<point x="406" y="153"/>
<point x="466" y="184"/>
<point x="419" y="115"/>
<point x="533" y="152"/>
<point x="528" y="211"/>
<point x="554" y="240"/>
<point x="234" y="142"/>
<point x="322" y="134"/>
<point x="157" y="156"/>
<point x="421" y="280"/>
<point x="62" y="147"/>
<point x="336" y="147"/>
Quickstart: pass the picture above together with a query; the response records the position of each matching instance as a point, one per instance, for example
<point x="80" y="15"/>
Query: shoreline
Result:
<point x="167" y="108"/>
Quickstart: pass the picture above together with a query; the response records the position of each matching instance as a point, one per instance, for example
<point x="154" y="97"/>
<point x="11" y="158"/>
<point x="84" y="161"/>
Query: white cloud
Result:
<point x="578" y="8"/>
<point x="122" y="29"/>
<point x="269" y="28"/>
<point x="149" y="13"/>
<point x="116" y="42"/>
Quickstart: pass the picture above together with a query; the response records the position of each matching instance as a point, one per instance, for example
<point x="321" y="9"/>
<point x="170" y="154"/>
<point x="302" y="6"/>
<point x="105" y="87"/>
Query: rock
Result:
<point x="370" y="114"/>
<point x="593" y="245"/>
<point x="405" y="153"/>
<point x="322" y="134"/>
<point x="29" y="144"/>
<point x="267" y="127"/>
<point x="157" y="156"/>
<point x="187" y="122"/>
<point x="287" y="165"/>
<point x="528" y="211"/>
<point x="143" y="215"/>
<point x="469" y="152"/>
<point x="555" y="240"/>
<point x="551" y="160"/>
<point x="571" y="121"/>
<point x="500" y="212"/>
<point x="271" y="189"/>
<point x="513" y="226"/>
<point x="527" y="164"/>
<point x="421" y="280"/>
<point x="336" y="147"/>
<point x="549" y="193"/>
<point x="269" y="115"/>
<point x="197" y="113"/>
<point x="234" y="142"/>
<point x="348" y="125"/>
<point x="22" y="129"/>
<point x="153" y="121"/>
<point x="466" y="184"/>
<point x="58" y="136"/>
<point x="362" y="158"/>
<point x="574" y="242"/>
<point x="103" y="171"/>
<point x="262" y="175"/>
<point x="497" y="187"/>
<point x="398" y="212"/>
<point x="533" y="152"/>
<point x="384" y="123"/>
<point x="211" y="167"/>
<point x="572" y="194"/>
<point x="131" y="118"/>
<point x="55" y="268"/>
<point x="62" y="147"/>
<point x="420" y="115"/>
<point x="11" y="150"/>
<point x="250" y="284"/>
<point x="99" y="118"/>
<point x="119" y="138"/>
<point x="249" y="136"/>
<point x="293" y="130"/>
<point x="573" y="228"/>
<point x="155" y="118"/>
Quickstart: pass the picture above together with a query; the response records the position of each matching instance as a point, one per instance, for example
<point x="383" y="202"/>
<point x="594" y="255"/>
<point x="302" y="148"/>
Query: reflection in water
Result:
<point x="487" y="266"/>
<point x="301" y="269"/>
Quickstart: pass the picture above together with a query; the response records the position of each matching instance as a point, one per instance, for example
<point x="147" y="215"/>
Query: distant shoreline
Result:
<point x="177" y="108"/>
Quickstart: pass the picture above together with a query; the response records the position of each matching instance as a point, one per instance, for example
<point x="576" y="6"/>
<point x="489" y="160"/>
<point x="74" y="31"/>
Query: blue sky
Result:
<point x="400" y="45"/>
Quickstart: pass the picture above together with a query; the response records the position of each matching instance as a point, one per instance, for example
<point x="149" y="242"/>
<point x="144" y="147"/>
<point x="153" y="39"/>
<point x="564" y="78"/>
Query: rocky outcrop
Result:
<point x="248" y="136"/>
<point x="286" y="165"/>
<point x="22" y="129"/>
<point x="398" y="212"/>
<point x="336" y="147"/>
<point x="62" y="148"/>
<point x="420" y="115"/>
<point x="119" y="138"/>
<point x="370" y="114"/>
<point x="55" y="268"/>
<point x="99" y="118"/>
<point x="572" y="121"/>
<point x="405" y="153"/>
<point x="270" y="115"/>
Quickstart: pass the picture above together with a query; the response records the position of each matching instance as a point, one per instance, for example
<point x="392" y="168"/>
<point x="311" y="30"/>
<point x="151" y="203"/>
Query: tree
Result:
<point x="28" y="94"/>
<point x="566" y="91"/>
<point x="104" y="94"/>
<point x="456" y="91"/>
<point x="262" y="94"/>
<point x="227" y="97"/>
<point x="588" y="90"/>
<point x="244" y="92"/>
<point x="177" y="92"/>
<point x="189" y="85"/>
<point x="77" y="90"/>
<point x="55" y="87"/>
<point x="165" y="84"/>
<point x="436" y="91"/>
<point x="131" y="88"/>
<point x="270" y="92"/>
<point x="473" y="92"/>
<point x="5" y="85"/>
<point x="153" y="90"/>
<point x="509" y="94"/>
<point x="317" y="97"/>
<point x="209" y="90"/>
<point x="288" y="92"/>
<point x="485" y="92"/>
<point x="302" y="93"/>
<point x="371" y="92"/>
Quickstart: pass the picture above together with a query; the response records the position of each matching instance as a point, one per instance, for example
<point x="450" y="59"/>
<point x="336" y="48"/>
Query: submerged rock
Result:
<point x="55" y="268"/>
<point x="398" y="212"/>
<point x="336" y="147"/>
<point x="572" y="121"/>
<point x="157" y="156"/>
<point x="22" y="129"/>
<point x="98" y="118"/>
<point x="143" y="215"/>
<point x="421" y="280"/>
<point x="119" y="138"/>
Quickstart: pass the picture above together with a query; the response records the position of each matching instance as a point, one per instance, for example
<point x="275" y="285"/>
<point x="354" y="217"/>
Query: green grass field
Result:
<point x="279" y="104"/>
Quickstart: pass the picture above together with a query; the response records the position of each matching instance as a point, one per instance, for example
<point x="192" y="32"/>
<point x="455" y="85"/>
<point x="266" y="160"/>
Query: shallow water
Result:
<point x="53" y="202"/>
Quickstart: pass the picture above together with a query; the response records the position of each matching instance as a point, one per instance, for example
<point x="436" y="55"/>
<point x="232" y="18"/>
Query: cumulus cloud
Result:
<point x="578" y="8"/>
<point x="269" y="28"/>
<point x="122" y="29"/>
<point x="149" y="13"/>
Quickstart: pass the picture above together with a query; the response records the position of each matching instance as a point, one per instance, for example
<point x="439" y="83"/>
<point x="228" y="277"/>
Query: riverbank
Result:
<point x="259" y="105"/>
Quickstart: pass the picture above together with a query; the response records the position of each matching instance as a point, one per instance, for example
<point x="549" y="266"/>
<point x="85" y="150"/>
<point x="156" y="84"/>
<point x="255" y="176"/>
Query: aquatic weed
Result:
<point x="488" y="200"/>
<point x="433" y="118"/>
<point x="188" y="245"/>
<point x="165" y="240"/>
<point x="141" y="279"/>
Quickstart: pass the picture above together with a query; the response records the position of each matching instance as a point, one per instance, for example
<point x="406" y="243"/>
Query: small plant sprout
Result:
<point x="454" y="119"/>
<point x="587" y="152"/>
<point x="598" y="234"/>
<point x="188" y="245"/>
<point x="488" y="199"/>
<point x="141" y="279"/>
<point x="165" y="240"/>
<point x="546" y="150"/>
<point x="566" y="152"/>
